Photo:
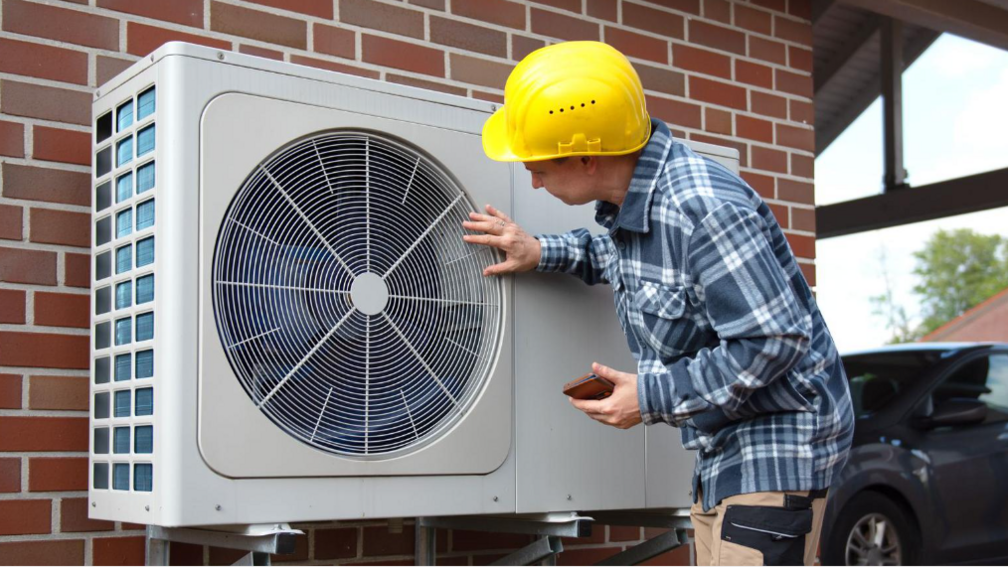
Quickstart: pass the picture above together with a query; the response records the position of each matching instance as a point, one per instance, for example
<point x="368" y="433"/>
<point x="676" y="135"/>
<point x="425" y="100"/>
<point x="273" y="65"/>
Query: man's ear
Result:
<point x="590" y="164"/>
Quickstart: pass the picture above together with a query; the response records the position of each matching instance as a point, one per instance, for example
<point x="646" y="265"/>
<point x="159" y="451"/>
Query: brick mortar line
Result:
<point x="48" y="329"/>
<point x="24" y="38"/>
<point x="62" y="166"/>
<point x="61" y="372"/>
<point x="64" y="536"/>
<point x="40" y="287"/>
<point x="44" y="495"/>
<point x="32" y="121"/>
<point x="40" y="82"/>
<point x="44" y="413"/>
<point x="45" y="329"/>
<point x="37" y="204"/>
<point x="787" y="176"/>
<point x="43" y="246"/>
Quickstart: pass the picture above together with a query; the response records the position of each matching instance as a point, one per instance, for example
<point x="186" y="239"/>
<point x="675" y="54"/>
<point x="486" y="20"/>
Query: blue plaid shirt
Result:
<point x="729" y="342"/>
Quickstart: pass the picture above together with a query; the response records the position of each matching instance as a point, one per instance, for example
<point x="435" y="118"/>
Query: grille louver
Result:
<point x="348" y="306"/>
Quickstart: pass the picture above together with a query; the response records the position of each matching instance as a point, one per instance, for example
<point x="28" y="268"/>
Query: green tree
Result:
<point x="957" y="270"/>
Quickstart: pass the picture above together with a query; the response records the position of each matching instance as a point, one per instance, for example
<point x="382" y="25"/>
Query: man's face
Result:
<point x="568" y="180"/>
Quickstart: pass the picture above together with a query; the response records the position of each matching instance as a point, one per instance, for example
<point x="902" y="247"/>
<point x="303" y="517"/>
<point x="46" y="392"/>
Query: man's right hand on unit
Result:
<point x="521" y="250"/>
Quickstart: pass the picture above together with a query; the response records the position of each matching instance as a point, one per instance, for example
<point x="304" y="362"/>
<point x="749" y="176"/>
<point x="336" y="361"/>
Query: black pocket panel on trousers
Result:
<point x="778" y="533"/>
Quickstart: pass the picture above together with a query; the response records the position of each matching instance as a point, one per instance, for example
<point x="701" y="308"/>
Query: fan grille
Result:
<point x="347" y="304"/>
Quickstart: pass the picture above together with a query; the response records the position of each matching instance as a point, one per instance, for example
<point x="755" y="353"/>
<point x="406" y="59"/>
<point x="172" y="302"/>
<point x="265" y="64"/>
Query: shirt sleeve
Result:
<point x="578" y="253"/>
<point x="762" y="330"/>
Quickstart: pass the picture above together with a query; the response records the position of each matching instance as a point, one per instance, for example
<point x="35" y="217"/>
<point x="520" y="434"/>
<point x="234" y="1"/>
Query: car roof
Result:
<point x="924" y="347"/>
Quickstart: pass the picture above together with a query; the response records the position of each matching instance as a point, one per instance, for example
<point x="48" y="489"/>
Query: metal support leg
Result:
<point x="650" y="548"/>
<point x="543" y="551"/>
<point x="260" y="541"/>
<point x="157" y="550"/>
<point x="426" y="543"/>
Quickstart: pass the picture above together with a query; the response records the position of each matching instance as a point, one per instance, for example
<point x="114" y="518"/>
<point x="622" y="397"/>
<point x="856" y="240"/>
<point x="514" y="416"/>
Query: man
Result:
<point x="730" y="344"/>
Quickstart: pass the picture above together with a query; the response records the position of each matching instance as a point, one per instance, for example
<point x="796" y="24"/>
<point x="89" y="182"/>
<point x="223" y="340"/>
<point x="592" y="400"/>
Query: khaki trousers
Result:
<point x="758" y="523"/>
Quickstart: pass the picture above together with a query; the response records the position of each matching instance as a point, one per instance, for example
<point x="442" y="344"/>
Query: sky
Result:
<point x="955" y="123"/>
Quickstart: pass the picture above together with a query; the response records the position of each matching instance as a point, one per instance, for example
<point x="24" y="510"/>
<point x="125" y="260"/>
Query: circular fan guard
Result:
<point x="347" y="304"/>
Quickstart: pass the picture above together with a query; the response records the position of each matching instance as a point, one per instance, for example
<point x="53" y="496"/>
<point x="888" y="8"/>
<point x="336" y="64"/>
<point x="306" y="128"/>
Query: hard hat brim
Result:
<point x="495" y="139"/>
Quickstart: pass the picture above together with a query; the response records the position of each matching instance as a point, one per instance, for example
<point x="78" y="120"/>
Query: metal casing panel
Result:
<point x="561" y="327"/>
<point x="124" y="505"/>
<point x="186" y="491"/>
<point x="232" y="146"/>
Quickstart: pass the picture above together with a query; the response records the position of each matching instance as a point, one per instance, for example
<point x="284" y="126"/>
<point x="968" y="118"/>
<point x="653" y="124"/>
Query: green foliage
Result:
<point x="957" y="270"/>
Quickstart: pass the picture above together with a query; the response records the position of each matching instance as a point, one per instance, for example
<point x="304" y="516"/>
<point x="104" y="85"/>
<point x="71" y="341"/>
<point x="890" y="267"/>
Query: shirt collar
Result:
<point x="635" y="213"/>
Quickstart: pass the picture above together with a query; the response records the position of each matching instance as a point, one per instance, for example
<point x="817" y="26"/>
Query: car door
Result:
<point x="969" y="481"/>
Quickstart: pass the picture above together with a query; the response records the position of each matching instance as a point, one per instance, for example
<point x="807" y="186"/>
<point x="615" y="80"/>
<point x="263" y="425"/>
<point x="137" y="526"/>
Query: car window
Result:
<point x="984" y="379"/>
<point x="877" y="379"/>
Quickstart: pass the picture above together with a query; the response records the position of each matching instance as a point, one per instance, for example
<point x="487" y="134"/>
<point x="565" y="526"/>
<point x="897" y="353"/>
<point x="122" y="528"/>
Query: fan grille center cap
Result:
<point x="369" y="293"/>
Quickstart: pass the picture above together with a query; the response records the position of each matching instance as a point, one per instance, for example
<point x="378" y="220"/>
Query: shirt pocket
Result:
<point x="661" y="300"/>
<point x="664" y="326"/>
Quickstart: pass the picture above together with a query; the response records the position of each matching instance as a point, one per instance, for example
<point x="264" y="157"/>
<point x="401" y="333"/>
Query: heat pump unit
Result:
<point x="288" y="327"/>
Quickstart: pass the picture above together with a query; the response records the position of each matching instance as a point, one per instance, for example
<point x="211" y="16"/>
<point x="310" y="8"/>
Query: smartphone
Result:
<point x="589" y="387"/>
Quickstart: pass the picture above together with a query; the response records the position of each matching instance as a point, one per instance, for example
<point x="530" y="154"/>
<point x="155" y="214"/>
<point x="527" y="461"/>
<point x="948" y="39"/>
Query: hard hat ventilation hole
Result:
<point x="593" y="102"/>
<point x="572" y="107"/>
<point x="551" y="112"/>
<point x="561" y="110"/>
<point x="582" y="105"/>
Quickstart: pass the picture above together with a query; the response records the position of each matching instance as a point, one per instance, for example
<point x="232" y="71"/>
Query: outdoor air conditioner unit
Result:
<point x="288" y="327"/>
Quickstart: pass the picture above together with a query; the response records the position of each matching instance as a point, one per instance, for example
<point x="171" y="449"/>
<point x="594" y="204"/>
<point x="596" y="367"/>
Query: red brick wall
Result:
<point x="727" y="72"/>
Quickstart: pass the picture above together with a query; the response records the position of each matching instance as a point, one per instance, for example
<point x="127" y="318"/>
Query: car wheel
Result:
<point x="872" y="530"/>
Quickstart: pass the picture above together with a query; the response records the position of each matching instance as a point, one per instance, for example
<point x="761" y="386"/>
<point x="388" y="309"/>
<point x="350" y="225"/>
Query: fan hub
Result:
<point x="369" y="293"/>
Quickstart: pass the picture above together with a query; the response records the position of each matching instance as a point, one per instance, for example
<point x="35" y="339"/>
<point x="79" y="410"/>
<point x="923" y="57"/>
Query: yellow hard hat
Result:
<point x="570" y="99"/>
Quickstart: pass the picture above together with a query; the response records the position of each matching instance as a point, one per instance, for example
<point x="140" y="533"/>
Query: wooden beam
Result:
<point x="821" y="76"/>
<point x="820" y="8"/>
<point x="891" y="75"/>
<point x="970" y="194"/>
<point x="826" y="133"/>
<point x="971" y="19"/>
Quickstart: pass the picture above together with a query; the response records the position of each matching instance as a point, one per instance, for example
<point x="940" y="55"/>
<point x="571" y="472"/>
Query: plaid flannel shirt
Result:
<point x="729" y="341"/>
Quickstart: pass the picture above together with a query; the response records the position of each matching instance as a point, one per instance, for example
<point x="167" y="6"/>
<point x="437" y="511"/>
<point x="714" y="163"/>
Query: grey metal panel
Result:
<point x="669" y="468"/>
<point x="561" y="327"/>
<point x="231" y="147"/>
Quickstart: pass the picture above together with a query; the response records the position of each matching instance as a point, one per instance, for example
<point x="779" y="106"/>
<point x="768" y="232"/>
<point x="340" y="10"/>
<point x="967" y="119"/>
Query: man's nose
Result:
<point x="536" y="181"/>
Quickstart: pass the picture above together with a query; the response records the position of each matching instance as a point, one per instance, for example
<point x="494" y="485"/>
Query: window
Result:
<point x="145" y="104"/>
<point x="124" y="187"/>
<point x="124" y="258"/>
<point x="145" y="177"/>
<point x="984" y="379"/>
<point x="124" y="116"/>
<point x="122" y="367"/>
<point x="876" y="379"/>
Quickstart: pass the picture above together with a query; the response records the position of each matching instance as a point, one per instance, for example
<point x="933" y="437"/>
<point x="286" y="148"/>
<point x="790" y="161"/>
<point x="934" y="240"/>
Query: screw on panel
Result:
<point x="147" y="507"/>
<point x="218" y="507"/>
<point x="569" y="497"/>
<point x="94" y="504"/>
<point x="493" y="107"/>
<point x="495" y="498"/>
<point x="220" y="55"/>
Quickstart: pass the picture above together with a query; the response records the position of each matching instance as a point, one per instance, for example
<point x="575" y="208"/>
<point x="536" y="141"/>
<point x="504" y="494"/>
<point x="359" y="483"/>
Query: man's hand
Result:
<point x="521" y="251"/>
<point x="620" y="409"/>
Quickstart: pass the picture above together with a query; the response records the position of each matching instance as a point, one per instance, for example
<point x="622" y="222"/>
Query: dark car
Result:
<point x="927" y="477"/>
